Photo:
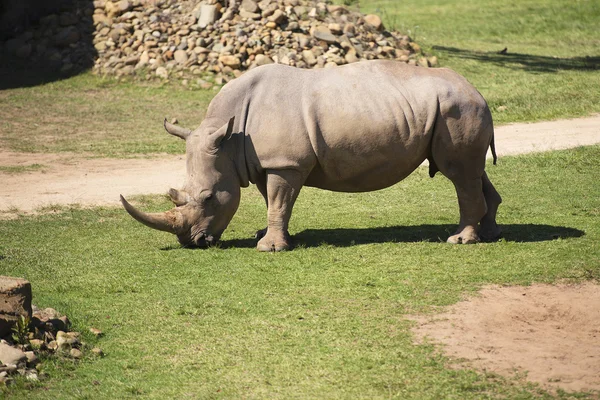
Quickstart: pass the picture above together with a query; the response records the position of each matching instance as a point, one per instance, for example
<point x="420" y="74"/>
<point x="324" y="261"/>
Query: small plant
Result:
<point x="21" y="330"/>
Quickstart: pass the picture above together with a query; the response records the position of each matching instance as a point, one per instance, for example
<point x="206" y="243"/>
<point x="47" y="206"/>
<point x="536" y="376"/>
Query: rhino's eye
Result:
<point x="208" y="197"/>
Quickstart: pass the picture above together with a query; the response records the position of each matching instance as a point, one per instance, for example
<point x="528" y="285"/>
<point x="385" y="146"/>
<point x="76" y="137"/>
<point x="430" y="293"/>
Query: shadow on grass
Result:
<point x="529" y="62"/>
<point x="344" y="237"/>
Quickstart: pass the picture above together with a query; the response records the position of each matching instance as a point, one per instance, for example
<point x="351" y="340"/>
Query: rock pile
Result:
<point x="218" y="38"/>
<point x="30" y="331"/>
<point x="48" y="332"/>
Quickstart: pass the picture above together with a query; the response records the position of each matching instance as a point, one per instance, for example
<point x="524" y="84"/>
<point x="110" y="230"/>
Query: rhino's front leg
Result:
<point x="283" y="187"/>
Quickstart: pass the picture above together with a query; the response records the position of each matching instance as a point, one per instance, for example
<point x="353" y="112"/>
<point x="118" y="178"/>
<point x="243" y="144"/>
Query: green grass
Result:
<point x="18" y="169"/>
<point x="326" y="320"/>
<point x="552" y="66"/>
<point x="98" y="117"/>
<point x="551" y="71"/>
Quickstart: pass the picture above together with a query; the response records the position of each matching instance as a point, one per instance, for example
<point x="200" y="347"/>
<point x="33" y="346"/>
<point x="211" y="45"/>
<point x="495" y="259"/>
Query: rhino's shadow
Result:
<point x="344" y="237"/>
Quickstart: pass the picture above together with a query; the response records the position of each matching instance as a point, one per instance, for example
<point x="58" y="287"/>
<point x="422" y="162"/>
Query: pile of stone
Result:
<point x="213" y="38"/>
<point x="45" y="331"/>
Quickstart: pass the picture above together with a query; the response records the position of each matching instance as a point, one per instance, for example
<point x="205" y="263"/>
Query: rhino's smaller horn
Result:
<point x="177" y="130"/>
<point x="170" y="221"/>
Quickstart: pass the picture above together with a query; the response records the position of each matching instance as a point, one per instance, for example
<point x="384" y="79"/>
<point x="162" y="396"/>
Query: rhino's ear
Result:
<point x="223" y="133"/>
<point x="179" y="197"/>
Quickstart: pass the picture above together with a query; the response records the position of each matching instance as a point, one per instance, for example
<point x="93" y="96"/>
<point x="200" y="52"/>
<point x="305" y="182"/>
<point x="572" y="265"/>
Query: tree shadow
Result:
<point x="44" y="40"/>
<point x="529" y="62"/>
<point x="346" y="237"/>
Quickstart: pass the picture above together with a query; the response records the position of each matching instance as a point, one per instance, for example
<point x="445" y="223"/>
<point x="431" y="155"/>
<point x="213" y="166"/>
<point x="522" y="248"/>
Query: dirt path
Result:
<point x="71" y="179"/>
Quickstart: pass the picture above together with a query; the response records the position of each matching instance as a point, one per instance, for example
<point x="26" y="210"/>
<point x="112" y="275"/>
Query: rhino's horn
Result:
<point x="177" y="130"/>
<point x="170" y="221"/>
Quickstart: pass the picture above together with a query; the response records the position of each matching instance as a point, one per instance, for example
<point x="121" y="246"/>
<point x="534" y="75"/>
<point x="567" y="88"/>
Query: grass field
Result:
<point x="325" y="320"/>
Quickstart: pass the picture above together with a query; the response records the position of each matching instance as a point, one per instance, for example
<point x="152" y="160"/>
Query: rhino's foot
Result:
<point x="489" y="234"/>
<point x="277" y="241"/>
<point x="466" y="236"/>
<point x="260" y="234"/>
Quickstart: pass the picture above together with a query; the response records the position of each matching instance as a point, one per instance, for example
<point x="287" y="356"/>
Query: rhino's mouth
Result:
<point x="200" y="240"/>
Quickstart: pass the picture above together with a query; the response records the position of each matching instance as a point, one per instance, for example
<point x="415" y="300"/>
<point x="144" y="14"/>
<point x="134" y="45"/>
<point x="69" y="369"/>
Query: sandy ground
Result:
<point x="72" y="179"/>
<point x="549" y="333"/>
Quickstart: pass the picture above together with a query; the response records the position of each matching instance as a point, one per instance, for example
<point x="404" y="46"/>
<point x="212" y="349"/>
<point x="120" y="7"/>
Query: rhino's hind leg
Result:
<point x="489" y="230"/>
<point x="471" y="203"/>
<point x="261" y="184"/>
<point x="283" y="188"/>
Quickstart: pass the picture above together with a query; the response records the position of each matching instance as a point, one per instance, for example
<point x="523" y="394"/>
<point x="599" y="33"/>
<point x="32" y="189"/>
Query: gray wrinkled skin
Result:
<point x="356" y="128"/>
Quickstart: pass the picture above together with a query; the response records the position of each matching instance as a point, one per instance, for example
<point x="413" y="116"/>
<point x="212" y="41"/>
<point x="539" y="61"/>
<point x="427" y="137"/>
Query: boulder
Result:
<point x="11" y="355"/>
<point x="15" y="301"/>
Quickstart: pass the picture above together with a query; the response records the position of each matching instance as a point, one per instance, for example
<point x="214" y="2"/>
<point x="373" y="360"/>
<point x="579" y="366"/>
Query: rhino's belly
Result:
<point x="347" y="171"/>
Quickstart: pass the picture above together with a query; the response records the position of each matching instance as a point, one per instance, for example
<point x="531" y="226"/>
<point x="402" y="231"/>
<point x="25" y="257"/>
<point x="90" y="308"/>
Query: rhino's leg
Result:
<point x="489" y="230"/>
<point x="471" y="203"/>
<point x="458" y="147"/>
<point x="283" y="187"/>
<point x="262" y="188"/>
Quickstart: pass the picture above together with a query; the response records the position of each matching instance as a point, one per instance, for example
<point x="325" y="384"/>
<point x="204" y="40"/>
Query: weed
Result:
<point x="21" y="330"/>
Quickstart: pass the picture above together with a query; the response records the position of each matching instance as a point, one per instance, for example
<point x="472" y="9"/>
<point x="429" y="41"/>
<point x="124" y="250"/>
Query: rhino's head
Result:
<point x="211" y="194"/>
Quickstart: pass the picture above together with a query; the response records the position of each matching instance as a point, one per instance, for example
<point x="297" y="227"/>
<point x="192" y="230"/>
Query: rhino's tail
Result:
<point x="493" y="149"/>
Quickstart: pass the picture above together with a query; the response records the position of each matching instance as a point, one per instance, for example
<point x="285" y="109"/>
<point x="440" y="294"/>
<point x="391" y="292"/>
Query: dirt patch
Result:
<point x="73" y="179"/>
<point x="550" y="333"/>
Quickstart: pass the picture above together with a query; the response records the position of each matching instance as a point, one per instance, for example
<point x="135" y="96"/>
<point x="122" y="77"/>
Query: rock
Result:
<point x="422" y="62"/>
<point x="31" y="376"/>
<point x="76" y="353"/>
<point x="433" y="61"/>
<point x="374" y="21"/>
<point x="37" y="344"/>
<point x="63" y="341"/>
<point x="349" y="29"/>
<point x="180" y="56"/>
<point x="11" y="355"/>
<point x="208" y="15"/>
<point x="249" y="6"/>
<point x="415" y="47"/>
<point x="117" y="8"/>
<point x="97" y="352"/>
<point x="261" y="59"/>
<point x="249" y="15"/>
<point x="309" y="57"/>
<point x="335" y="28"/>
<point x="323" y="33"/>
<point x="15" y="300"/>
<point x="98" y="332"/>
<point x="31" y="358"/>
<point x="230" y="61"/>
<point x="278" y="17"/>
<point x="162" y="72"/>
<point x="350" y="56"/>
<point x="52" y="345"/>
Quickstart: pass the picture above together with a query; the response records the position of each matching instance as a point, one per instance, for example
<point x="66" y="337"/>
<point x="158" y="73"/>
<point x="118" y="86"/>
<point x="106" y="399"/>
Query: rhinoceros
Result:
<point x="353" y="128"/>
